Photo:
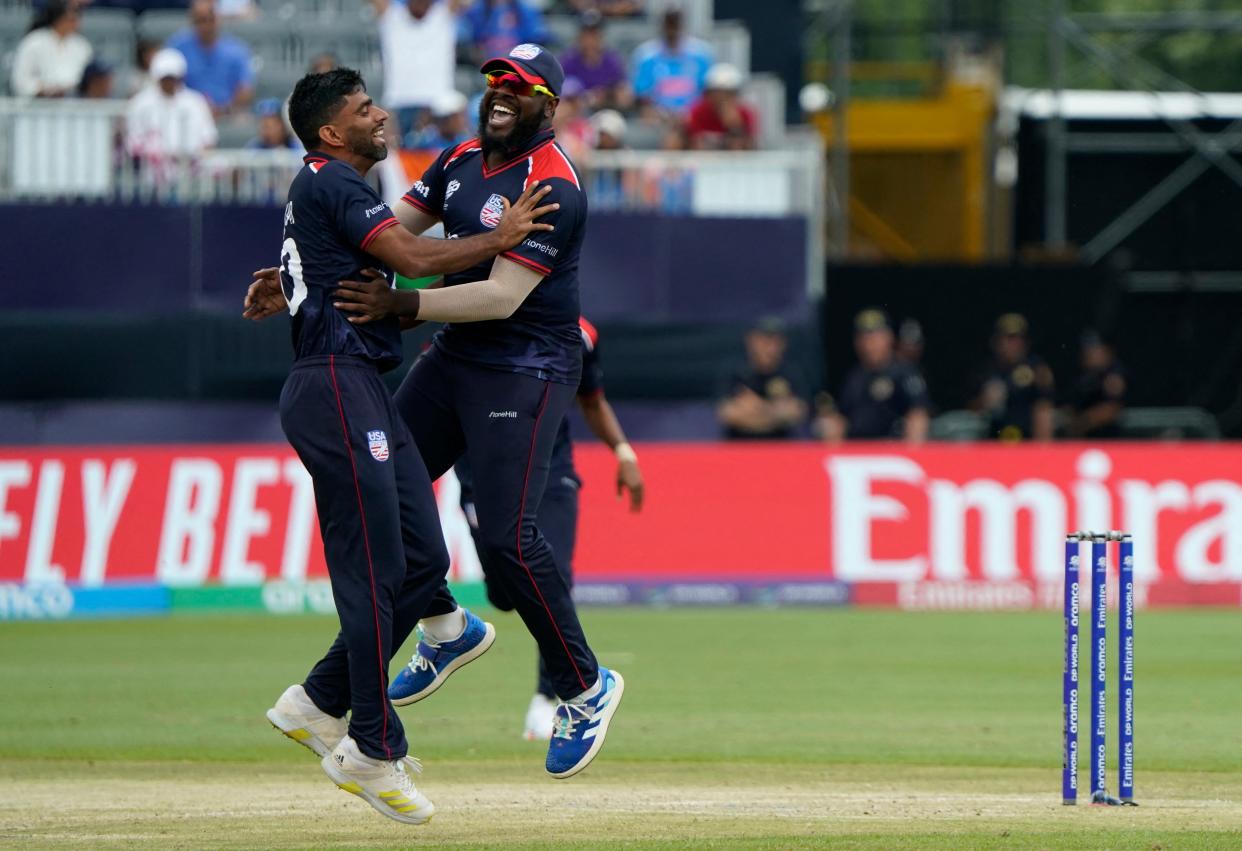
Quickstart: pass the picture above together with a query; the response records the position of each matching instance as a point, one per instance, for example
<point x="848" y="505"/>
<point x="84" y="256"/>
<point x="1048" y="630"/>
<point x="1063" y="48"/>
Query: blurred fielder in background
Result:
<point x="558" y="509"/>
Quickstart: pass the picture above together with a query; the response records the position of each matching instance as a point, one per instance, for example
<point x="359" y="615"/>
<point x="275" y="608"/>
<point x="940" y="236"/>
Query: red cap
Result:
<point x="502" y="63"/>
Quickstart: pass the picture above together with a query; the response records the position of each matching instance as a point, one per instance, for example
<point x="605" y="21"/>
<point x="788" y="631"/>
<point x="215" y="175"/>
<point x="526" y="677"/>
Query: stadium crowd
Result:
<point x="197" y="88"/>
<point x="884" y="396"/>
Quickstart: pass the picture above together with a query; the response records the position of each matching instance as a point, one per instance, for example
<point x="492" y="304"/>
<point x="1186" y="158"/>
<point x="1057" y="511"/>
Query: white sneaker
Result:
<point x="297" y="716"/>
<point x="539" y="718"/>
<point x="384" y="784"/>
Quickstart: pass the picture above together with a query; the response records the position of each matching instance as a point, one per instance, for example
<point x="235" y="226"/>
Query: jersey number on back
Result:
<point x="291" y="275"/>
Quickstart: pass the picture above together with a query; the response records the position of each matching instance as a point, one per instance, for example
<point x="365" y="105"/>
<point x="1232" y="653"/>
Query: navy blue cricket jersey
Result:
<point x="331" y="218"/>
<point x="542" y="338"/>
<point x="876" y="400"/>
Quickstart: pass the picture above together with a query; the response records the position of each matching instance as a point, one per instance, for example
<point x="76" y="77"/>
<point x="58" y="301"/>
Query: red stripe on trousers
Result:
<point x="366" y="543"/>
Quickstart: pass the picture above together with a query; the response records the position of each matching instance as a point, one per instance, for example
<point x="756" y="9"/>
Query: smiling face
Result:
<point x="508" y="120"/>
<point x="360" y="125"/>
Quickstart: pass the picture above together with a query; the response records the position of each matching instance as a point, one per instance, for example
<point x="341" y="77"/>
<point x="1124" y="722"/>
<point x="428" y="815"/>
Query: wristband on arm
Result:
<point x="624" y="453"/>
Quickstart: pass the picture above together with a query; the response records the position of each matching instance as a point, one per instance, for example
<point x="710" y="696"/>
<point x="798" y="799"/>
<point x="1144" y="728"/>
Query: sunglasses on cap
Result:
<point x="521" y="88"/>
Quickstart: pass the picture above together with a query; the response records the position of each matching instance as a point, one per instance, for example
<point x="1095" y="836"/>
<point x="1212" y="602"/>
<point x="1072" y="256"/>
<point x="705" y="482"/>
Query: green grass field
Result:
<point x="740" y="728"/>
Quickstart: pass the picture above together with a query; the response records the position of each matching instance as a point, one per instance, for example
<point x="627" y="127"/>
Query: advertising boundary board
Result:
<point x="942" y="526"/>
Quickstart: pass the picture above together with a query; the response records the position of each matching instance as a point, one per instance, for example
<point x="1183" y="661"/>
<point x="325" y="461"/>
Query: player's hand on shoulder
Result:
<point x="264" y="297"/>
<point x="366" y="301"/>
<point x="519" y="217"/>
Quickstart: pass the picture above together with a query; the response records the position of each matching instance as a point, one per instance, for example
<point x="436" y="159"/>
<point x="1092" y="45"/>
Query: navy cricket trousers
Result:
<point x="381" y="535"/>
<point x="558" y="521"/>
<point x="505" y="424"/>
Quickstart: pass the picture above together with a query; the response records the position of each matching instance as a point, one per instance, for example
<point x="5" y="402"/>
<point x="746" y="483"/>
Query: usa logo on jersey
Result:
<point x="492" y="211"/>
<point x="378" y="443"/>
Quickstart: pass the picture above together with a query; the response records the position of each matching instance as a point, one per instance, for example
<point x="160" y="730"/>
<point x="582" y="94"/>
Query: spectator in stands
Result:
<point x="1100" y="397"/>
<point x="572" y="123"/>
<point x="599" y="68"/>
<point x="217" y="65"/>
<point x="608" y="187"/>
<point x="719" y="119"/>
<point x="494" y="27"/>
<point x="910" y="343"/>
<point x="610" y="128"/>
<point x="450" y="125"/>
<point x="139" y="76"/>
<point x="764" y="398"/>
<point x="1017" y="388"/>
<point x="672" y="186"/>
<point x="882" y="397"/>
<point x="669" y="72"/>
<point x="323" y="63"/>
<point x="274" y="132"/>
<point x="50" y="59"/>
<point x="417" y="45"/>
<point x="96" y="82"/>
<point x="609" y="8"/>
<point x="168" y="123"/>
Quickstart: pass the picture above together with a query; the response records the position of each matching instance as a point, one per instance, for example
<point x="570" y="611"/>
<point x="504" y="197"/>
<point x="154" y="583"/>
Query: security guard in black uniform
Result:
<point x="1017" y="389"/>
<point x="1100" y="395"/>
<point x="882" y="397"/>
<point x="765" y="398"/>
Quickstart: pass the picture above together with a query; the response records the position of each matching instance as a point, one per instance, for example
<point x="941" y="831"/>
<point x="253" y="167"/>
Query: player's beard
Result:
<point x="515" y="141"/>
<point x="363" y="143"/>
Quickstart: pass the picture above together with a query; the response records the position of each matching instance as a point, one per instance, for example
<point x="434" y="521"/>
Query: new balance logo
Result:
<point x="507" y="415"/>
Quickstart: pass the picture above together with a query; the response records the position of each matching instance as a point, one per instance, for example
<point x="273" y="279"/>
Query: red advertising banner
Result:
<point x="976" y="524"/>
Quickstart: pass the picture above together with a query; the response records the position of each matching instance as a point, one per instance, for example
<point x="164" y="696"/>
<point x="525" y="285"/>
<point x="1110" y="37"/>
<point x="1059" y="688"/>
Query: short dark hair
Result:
<point x="51" y="13"/>
<point x="316" y="99"/>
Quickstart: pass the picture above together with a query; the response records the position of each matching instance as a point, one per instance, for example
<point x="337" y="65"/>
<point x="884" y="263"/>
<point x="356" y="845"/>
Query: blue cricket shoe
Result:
<point x="579" y="729"/>
<point x="432" y="663"/>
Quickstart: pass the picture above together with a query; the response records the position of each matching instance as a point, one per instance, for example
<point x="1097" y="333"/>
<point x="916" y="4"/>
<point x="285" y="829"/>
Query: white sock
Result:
<point x="442" y="628"/>
<point x="589" y="693"/>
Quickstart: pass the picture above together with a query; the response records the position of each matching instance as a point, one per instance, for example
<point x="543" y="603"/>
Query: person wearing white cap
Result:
<point x="168" y="121"/>
<point x="610" y="127"/>
<point x="719" y="119"/>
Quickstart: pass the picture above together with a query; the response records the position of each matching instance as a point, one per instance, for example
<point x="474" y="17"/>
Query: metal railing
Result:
<point x="52" y="151"/>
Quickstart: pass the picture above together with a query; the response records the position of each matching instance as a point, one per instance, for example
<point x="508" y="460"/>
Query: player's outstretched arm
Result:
<point x="478" y="301"/>
<point x="418" y="257"/>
